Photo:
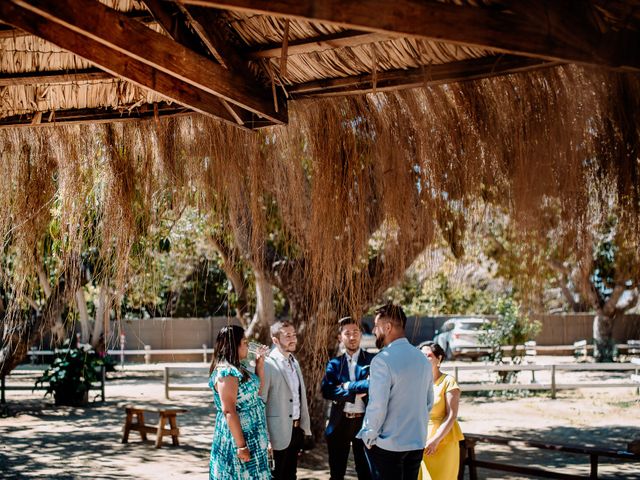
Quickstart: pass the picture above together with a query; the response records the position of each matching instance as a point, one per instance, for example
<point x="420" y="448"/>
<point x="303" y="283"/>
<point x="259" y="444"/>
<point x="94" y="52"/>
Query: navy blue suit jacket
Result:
<point x="336" y="374"/>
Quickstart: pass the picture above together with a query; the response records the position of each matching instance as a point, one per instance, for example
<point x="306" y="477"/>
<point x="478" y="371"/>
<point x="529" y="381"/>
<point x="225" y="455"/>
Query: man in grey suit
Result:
<point x="286" y="402"/>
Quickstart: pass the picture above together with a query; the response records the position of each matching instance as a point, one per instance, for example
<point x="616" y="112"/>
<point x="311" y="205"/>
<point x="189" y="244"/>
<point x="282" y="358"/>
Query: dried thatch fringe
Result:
<point x="349" y="180"/>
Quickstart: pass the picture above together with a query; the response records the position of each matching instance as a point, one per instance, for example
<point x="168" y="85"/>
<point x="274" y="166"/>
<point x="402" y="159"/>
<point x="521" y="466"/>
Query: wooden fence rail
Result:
<point x="476" y="387"/>
<point x="29" y="373"/>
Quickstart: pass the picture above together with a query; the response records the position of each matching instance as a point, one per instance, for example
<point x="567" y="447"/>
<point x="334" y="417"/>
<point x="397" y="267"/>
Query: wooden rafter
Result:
<point x="175" y="20"/>
<point x="53" y="77"/>
<point x="127" y="38"/>
<point x="170" y="18"/>
<point x="118" y="65"/>
<point x="91" y="115"/>
<point x="7" y="31"/>
<point x="346" y="38"/>
<point x="473" y="69"/>
<point x="553" y="30"/>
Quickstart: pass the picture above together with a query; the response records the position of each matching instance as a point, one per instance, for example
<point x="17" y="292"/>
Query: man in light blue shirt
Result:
<point x="395" y="425"/>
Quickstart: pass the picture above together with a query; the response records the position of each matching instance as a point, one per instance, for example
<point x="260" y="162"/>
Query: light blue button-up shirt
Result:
<point x="400" y="399"/>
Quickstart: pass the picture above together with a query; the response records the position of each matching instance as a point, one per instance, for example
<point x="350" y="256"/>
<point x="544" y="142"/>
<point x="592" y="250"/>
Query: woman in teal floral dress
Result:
<point x="239" y="447"/>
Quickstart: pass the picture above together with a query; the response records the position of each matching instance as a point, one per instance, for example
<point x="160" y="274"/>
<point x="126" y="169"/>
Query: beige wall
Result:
<point x="172" y="333"/>
<point x="566" y="329"/>
<point x="178" y="333"/>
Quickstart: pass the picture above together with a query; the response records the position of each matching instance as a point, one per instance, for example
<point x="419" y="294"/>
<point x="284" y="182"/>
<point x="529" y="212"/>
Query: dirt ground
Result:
<point x="39" y="440"/>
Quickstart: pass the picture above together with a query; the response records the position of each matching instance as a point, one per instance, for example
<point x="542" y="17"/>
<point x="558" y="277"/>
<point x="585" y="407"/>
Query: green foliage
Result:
<point x="511" y="327"/>
<point x="439" y="296"/>
<point x="73" y="370"/>
<point x="178" y="271"/>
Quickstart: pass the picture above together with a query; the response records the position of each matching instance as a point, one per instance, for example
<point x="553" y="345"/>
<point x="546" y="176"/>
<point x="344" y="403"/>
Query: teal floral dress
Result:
<point x="224" y="463"/>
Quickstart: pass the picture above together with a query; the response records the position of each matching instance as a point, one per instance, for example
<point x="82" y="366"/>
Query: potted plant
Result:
<point x="71" y="373"/>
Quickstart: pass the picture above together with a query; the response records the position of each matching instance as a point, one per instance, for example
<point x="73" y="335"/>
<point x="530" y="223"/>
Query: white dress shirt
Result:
<point x="358" y="406"/>
<point x="294" y="383"/>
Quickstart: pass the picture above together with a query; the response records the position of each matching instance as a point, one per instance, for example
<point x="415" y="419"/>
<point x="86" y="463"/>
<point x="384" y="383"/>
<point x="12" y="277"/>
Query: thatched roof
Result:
<point x="241" y="61"/>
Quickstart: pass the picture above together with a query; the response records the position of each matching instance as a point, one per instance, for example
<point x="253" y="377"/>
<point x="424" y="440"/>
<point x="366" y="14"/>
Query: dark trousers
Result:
<point x="286" y="461"/>
<point x="342" y="438"/>
<point x="388" y="465"/>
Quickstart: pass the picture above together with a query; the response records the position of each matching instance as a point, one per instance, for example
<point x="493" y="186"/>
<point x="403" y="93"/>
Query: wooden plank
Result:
<point x="125" y="37"/>
<point x="346" y="38"/>
<point x="131" y="69"/>
<point x="473" y="69"/>
<point x="558" y="31"/>
<point x="8" y="31"/>
<point x="173" y="18"/>
<point x="53" y="77"/>
<point x="559" y="447"/>
<point x="149" y="429"/>
<point x="98" y="115"/>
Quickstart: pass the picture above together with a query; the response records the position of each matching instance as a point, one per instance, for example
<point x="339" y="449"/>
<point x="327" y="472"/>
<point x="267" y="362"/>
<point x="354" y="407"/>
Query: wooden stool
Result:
<point x="164" y="415"/>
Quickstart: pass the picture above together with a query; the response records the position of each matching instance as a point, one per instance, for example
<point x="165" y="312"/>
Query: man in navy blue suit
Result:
<point x="346" y="383"/>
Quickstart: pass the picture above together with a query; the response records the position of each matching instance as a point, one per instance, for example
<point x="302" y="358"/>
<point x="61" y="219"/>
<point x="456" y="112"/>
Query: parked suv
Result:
<point x="459" y="337"/>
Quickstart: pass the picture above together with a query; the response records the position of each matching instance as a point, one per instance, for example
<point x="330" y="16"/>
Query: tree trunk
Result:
<point x="17" y="339"/>
<point x="265" y="309"/>
<point x="102" y="317"/>
<point x="603" y="337"/>
<point x="83" y="315"/>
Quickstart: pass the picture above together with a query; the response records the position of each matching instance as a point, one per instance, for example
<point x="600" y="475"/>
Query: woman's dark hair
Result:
<point x="437" y="350"/>
<point x="226" y="349"/>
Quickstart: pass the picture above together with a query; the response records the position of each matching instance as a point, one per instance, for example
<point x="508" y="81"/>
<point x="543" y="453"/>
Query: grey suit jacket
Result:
<point x="276" y="394"/>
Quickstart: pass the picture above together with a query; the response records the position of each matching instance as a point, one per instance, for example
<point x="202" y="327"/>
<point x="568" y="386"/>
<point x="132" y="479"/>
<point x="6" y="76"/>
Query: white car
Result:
<point x="460" y="337"/>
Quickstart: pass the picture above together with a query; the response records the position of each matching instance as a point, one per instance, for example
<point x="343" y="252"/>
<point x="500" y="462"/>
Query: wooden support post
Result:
<point x="174" y="430"/>
<point x="127" y="427"/>
<point x="553" y="382"/>
<point x="594" y="466"/>
<point x="166" y="382"/>
<point x="147" y="355"/>
<point x="455" y="373"/>
<point x="471" y="458"/>
<point x="103" y="376"/>
<point x="142" y="424"/>
<point x="160" y="431"/>
<point x="204" y="353"/>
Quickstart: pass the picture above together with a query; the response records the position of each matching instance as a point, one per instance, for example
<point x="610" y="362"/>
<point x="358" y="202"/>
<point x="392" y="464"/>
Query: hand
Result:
<point x="260" y="356"/>
<point x="244" y="454"/>
<point x="432" y="446"/>
<point x="361" y="395"/>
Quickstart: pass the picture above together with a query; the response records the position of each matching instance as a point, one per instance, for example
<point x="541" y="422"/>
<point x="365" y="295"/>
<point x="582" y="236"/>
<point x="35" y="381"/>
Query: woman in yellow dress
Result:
<point x="441" y="457"/>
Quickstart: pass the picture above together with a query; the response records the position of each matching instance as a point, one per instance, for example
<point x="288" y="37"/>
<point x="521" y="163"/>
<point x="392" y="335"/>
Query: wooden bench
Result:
<point x="468" y="457"/>
<point x="165" y="415"/>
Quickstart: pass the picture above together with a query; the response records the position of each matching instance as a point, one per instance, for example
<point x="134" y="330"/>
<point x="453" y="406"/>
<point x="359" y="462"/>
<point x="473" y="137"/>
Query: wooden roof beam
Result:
<point x="554" y="30"/>
<point x="118" y="65"/>
<point x="88" y="115"/>
<point x="174" y="19"/>
<point x="463" y="70"/>
<point x="346" y="38"/>
<point x="7" y="31"/>
<point x="53" y="77"/>
<point x="135" y="42"/>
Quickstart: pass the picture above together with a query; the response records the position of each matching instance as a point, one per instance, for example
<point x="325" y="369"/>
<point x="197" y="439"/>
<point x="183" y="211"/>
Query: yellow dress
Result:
<point x="444" y="463"/>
